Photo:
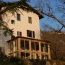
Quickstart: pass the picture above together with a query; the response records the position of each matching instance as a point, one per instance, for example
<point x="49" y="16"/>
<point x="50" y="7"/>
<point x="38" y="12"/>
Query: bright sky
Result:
<point x="46" y="20"/>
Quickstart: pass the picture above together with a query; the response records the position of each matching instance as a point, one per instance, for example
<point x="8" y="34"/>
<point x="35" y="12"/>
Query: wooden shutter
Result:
<point x="33" y="34"/>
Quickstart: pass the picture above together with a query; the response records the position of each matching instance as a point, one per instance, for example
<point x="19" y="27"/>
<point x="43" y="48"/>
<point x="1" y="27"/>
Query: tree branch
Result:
<point x="52" y="16"/>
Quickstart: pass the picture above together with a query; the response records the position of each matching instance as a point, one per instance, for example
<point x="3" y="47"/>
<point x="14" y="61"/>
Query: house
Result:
<point x="27" y="42"/>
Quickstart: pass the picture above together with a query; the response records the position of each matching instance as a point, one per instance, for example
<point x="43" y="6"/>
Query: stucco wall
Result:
<point x="23" y="25"/>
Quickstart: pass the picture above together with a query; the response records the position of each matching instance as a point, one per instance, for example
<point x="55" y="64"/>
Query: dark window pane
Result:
<point x="27" y="55"/>
<point x="12" y="21"/>
<point x="18" y="17"/>
<point x="19" y="33"/>
<point x="37" y="46"/>
<point x="46" y="47"/>
<point x="29" y="19"/>
<point x="42" y="47"/>
<point x="22" y="55"/>
<point x="27" y="45"/>
<point x="32" y="45"/>
<point x="29" y="33"/>
<point x="22" y="44"/>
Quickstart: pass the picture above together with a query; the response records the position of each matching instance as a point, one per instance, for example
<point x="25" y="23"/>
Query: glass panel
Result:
<point x="27" y="56"/>
<point x="22" y="44"/>
<point x="22" y="55"/>
<point x="12" y="21"/>
<point x="46" y="47"/>
<point x="29" y="33"/>
<point x="37" y="46"/>
<point x="27" y="45"/>
<point x="42" y="47"/>
<point x="18" y="17"/>
<point x="32" y="45"/>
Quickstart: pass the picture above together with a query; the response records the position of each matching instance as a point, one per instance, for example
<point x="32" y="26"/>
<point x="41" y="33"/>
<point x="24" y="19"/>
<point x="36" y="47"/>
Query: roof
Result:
<point x="35" y="11"/>
<point x="30" y="8"/>
<point x="28" y="38"/>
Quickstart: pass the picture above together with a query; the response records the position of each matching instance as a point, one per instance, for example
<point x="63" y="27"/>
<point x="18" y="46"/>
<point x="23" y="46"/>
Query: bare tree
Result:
<point x="46" y="8"/>
<point x="11" y="8"/>
<point x="57" y="43"/>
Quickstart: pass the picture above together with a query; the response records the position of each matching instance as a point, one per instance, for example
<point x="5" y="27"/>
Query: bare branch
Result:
<point x="52" y="16"/>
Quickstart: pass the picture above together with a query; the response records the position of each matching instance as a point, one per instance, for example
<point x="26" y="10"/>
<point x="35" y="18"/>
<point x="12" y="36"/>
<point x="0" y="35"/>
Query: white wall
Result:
<point x="23" y="25"/>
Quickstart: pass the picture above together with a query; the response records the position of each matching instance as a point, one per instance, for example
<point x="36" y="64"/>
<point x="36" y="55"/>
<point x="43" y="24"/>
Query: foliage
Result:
<point x="11" y="60"/>
<point x="18" y="61"/>
<point x="11" y="8"/>
<point x="38" y="62"/>
<point x="52" y="11"/>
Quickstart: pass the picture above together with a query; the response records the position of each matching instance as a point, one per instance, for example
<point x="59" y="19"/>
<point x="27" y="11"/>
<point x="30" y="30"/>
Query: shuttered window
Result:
<point x="30" y="34"/>
<point x="19" y="33"/>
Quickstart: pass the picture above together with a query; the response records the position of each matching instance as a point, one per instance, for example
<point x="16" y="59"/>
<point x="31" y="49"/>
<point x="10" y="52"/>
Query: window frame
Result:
<point x="12" y="21"/>
<point x="18" y="17"/>
<point x="30" y="20"/>
<point x="19" y="33"/>
<point x="30" y="33"/>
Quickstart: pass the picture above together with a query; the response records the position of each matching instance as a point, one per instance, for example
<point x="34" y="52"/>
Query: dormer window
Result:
<point x="18" y="17"/>
<point x="30" y="20"/>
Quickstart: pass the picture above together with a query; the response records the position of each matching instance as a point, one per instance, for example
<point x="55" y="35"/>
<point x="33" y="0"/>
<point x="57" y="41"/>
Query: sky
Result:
<point x="46" y="20"/>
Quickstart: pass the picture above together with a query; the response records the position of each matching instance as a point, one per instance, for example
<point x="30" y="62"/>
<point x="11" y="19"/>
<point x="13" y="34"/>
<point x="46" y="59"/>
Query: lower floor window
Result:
<point x="25" y="55"/>
<point x="24" y="44"/>
<point x="45" y="57"/>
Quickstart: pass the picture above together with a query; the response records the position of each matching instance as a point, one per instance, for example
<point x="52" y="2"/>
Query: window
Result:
<point x="19" y="33"/>
<point x="18" y="17"/>
<point x="46" y="47"/>
<point x="30" y="33"/>
<point x="37" y="46"/>
<point x="42" y="47"/>
<point x="24" y="44"/>
<point x="25" y="55"/>
<point x="45" y="57"/>
<point x="33" y="46"/>
<point x="12" y="21"/>
<point x="30" y="20"/>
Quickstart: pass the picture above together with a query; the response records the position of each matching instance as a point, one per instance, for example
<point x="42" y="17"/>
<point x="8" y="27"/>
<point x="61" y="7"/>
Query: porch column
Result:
<point x="30" y="48"/>
<point x="19" y="50"/>
<point x="40" y="50"/>
<point x="49" y="51"/>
